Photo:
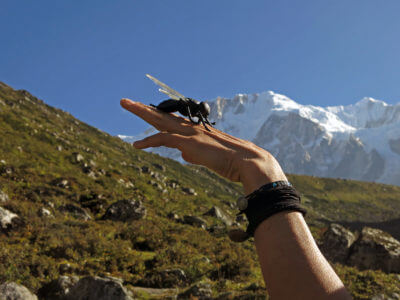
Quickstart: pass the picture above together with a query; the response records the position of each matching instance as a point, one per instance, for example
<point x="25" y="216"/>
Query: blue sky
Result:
<point x="83" y="56"/>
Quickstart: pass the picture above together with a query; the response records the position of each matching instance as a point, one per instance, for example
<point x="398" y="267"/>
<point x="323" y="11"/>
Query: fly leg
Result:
<point x="208" y="122"/>
<point x="191" y="117"/>
<point x="201" y="119"/>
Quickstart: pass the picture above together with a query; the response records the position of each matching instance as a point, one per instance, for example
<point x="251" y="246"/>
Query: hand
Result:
<point x="231" y="157"/>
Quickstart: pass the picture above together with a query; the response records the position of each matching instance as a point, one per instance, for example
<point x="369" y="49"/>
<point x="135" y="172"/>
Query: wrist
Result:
<point x="258" y="173"/>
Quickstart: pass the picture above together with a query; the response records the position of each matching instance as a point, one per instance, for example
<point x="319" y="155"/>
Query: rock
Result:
<point x="145" y="169"/>
<point x="62" y="183"/>
<point x="43" y="212"/>
<point x="173" y="184"/>
<point x="194" y="221"/>
<point x="173" y="216"/>
<point x="158" y="166"/>
<point x="59" y="148"/>
<point x="75" y="211"/>
<point x="77" y="157"/>
<point x="3" y="197"/>
<point x="219" y="214"/>
<point x="395" y="296"/>
<point x="240" y="219"/>
<point x="14" y="291"/>
<point x="125" y="210"/>
<point x="8" y="220"/>
<point x="173" y="277"/>
<point x="201" y="291"/>
<point x="375" y="249"/>
<point x="336" y="242"/>
<point x="57" y="289"/>
<point x="99" y="288"/>
<point x="189" y="191"/>
<point x="64" y="268"/>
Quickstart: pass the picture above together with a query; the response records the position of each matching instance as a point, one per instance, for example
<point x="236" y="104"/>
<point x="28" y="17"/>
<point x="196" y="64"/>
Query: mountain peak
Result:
<point x="370" y="101"/>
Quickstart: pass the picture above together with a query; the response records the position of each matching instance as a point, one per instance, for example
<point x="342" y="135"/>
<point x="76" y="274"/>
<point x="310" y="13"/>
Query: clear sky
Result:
<point x="83" y="56"/>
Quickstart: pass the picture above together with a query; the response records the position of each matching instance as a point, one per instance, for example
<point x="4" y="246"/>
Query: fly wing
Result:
<point x="166" y="89"/>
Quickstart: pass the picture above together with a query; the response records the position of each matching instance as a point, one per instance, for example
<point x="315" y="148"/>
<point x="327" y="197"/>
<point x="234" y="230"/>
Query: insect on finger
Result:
<point x="160" y="120"/>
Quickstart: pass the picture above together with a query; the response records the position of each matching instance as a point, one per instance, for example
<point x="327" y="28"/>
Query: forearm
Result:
<point x="292" y="265"/>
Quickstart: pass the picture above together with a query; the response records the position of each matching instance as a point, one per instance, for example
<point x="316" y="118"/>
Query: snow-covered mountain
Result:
<point x="360" y="141"/>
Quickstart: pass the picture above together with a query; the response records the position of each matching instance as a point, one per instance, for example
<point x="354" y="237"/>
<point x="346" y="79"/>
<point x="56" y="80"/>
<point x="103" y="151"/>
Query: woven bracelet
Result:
<point x="261" y="204"/>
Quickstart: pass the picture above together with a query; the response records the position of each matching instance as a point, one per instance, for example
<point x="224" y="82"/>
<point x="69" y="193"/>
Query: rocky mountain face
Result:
<point x="360" y="141"/>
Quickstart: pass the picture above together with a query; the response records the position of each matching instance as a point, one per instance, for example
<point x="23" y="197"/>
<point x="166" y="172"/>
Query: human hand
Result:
<point x="231" y="157"/>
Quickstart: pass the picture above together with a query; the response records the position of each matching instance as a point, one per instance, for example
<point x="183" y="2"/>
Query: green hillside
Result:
<point x="49" y="159"/>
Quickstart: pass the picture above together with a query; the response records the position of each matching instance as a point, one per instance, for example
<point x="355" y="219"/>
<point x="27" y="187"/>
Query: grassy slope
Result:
<point x="30" y="135"/>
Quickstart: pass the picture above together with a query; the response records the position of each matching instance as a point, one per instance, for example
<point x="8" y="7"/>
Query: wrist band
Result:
<point x="268" y="200"/>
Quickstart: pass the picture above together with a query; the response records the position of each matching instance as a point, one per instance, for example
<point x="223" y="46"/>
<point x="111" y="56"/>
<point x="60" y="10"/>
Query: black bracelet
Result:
<point x="268" y="200"/>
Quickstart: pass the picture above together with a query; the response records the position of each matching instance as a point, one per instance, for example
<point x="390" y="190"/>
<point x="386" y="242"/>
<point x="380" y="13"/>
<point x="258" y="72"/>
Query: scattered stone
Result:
<point x="145" y="169"/>
<point x="3" y="162"/>
<point x="375" y="249"/>
<point x="336" y="242"/>
<point x="201" y="291"/>
<point x="77" y="157"/>
<point x="62" y="183"/>
<point x="64" y="268"/>
<point x="189" y="191"/>
<point x="158" y="166"/>
<point x="125" y="210"/>
<point x="155" y="184"/>
<point x="99" y="288"/>
<point x="219" y="214"/>
<point x="15" y="291"/>
<point x="59" y="148"/>
<point x="173" y="184"/>
<point x="173" y="277"/>
<point x="8" y="220"/>
<point x="3" y="197"/>
<point x="43" y="212"/>
<point x="241" y="219"/>
<point x="75" y="211"/>
<point x="194" y="221"/>
<point x="173" y="216"/>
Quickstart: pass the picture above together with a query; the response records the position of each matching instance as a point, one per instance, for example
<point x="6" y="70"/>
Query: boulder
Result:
<point x="62" y="183"/>
<point x="43" y="212"/>
<point x="375" y="249"/>
<point x="173" y="183"/>
<point x="3" y="197"/>
<point x="99" y="288"/>
<point x="201" y="291"/>
<point x="77" y="157"/>
<point x="219" y="214"/>
<point x="8" y="220"/>
<point x="158" y="166"/>
<point x="336" y="242"/>
<point x="76" y="211"/>
<point x="194" y="221"/>
<point x="57" y="289"/>
<point x="125" y="210"/>
<point x="173" y="277"/>
<point x="189" y="191"/>
<point x="14" y="291"/>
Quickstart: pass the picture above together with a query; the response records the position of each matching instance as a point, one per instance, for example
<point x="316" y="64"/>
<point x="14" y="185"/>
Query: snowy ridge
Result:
<point x="359" y="141"/>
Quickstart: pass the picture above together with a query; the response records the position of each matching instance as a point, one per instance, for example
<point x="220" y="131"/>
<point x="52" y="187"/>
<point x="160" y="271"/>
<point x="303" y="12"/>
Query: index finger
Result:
<point x="160" y="120"/>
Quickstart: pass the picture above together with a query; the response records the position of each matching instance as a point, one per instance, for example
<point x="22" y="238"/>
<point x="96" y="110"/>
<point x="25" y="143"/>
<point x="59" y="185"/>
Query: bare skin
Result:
<point x="292" y="265"/>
